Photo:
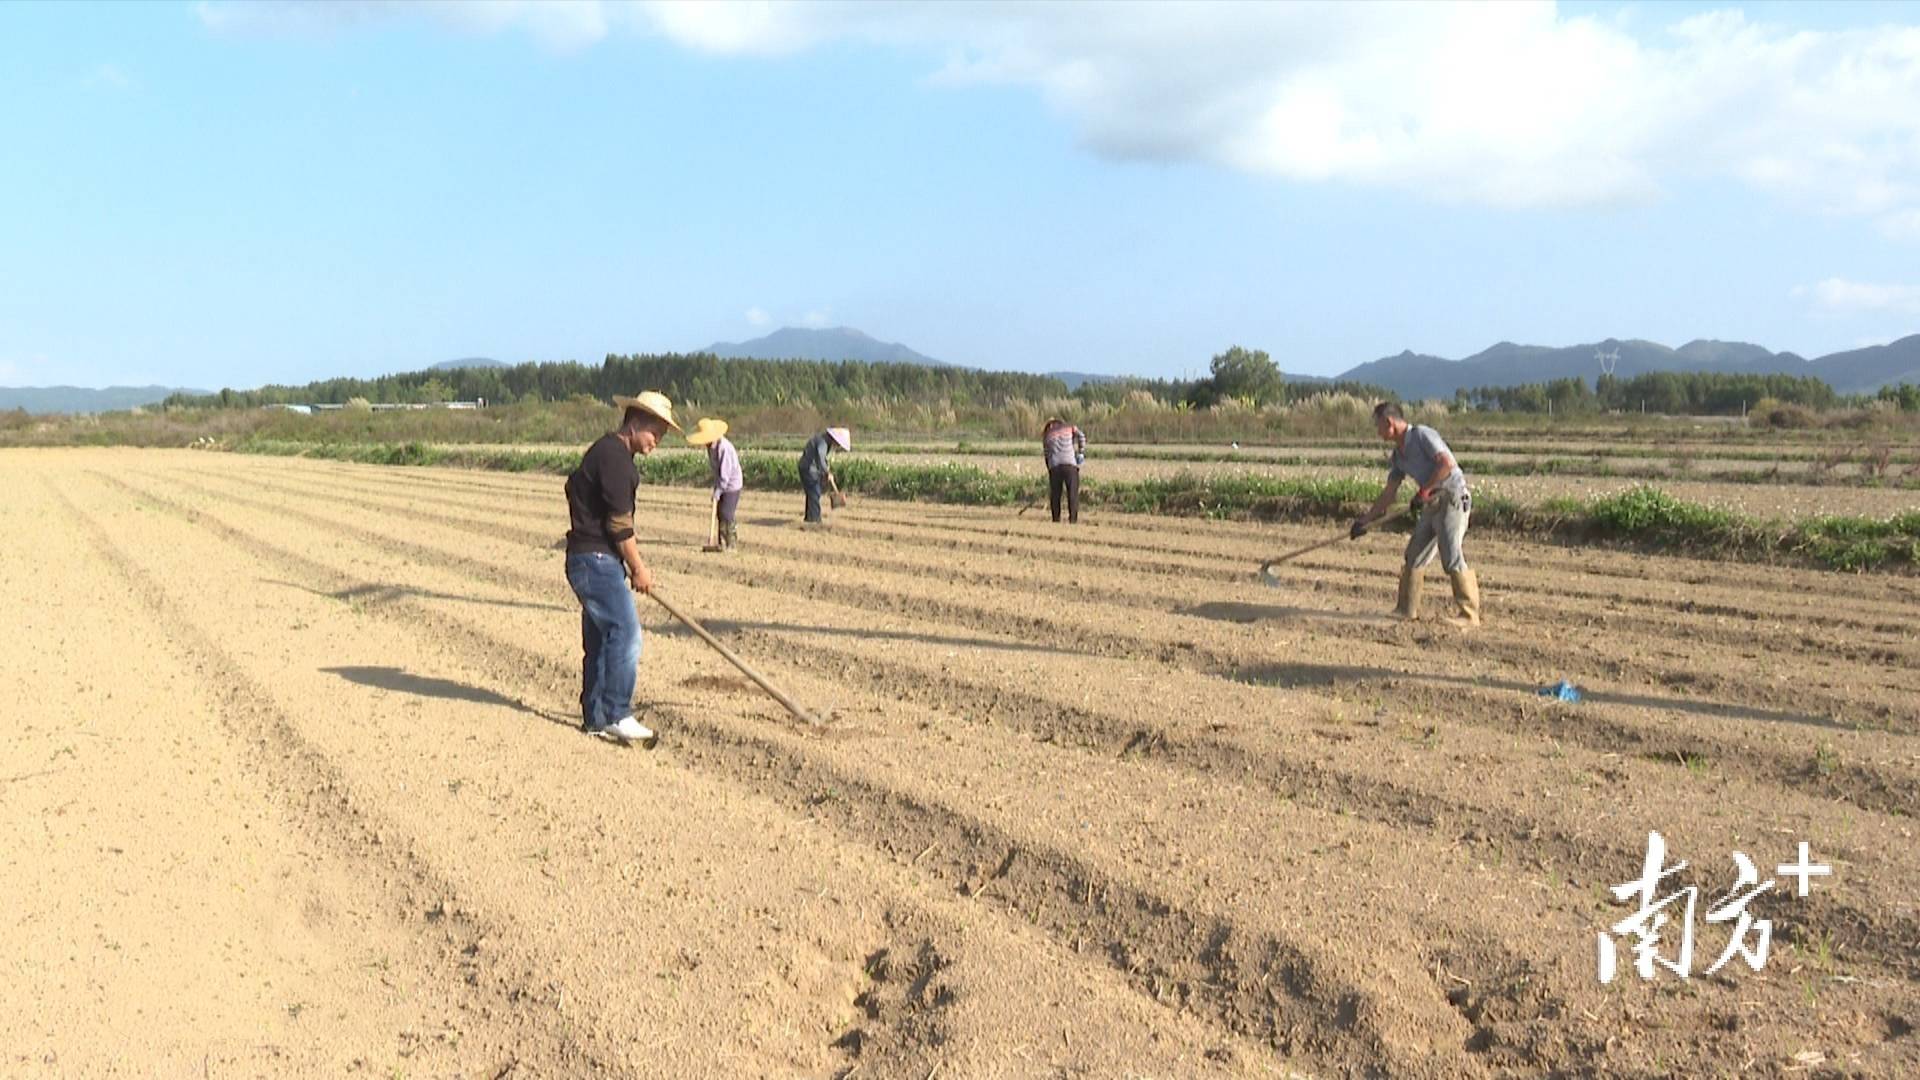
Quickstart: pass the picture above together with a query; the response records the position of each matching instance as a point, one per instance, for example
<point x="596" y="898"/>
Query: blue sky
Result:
<point x="228" y="195"/>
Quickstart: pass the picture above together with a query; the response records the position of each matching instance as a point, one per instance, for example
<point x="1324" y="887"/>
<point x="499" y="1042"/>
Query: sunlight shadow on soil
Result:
<point x="1298" y="675"/>
<point x="728" y="626"/>
<point x="375" y="593"/>
<point x="406" y="682"/>
<point x="1234" y="611"/>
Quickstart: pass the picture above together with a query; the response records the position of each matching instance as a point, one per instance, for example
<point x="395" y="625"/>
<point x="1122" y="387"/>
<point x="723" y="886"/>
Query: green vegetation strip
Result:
<point x="1644" y="517"/>
<point x="1898" y="475"/>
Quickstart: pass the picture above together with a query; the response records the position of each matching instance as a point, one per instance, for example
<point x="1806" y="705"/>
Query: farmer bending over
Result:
<point x="1441" y="503"/>
<point x="815" y="473"/>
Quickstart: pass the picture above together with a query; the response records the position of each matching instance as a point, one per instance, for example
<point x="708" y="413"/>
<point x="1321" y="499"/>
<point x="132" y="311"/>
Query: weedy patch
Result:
<point x="1826" y="761"/>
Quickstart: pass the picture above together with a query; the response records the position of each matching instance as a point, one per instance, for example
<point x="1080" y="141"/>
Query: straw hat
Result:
<point x="648" y="401"/>
<point x="841" y="437"/>
<point x="707" y="432"/>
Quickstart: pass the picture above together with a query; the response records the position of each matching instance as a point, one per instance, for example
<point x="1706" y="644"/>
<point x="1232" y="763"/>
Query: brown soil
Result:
<point x="294" y="787"/>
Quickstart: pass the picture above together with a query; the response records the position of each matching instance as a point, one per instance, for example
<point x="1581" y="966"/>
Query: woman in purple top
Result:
<point x="724" y="461"/>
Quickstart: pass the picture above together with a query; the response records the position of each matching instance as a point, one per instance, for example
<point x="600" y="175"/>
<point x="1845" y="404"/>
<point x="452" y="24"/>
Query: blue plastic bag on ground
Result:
<point x="1563" y="690"/>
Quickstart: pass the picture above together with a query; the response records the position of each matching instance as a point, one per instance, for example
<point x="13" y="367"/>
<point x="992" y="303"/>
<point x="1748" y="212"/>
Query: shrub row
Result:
<point x="1642" y="517"/>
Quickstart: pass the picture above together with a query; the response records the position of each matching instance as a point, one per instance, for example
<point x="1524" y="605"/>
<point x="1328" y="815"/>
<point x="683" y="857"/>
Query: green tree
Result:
<point x="1246" y="374"/>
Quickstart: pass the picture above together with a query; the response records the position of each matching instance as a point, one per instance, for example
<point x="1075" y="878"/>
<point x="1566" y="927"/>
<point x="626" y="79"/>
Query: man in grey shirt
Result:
<point x="1442" y="503"/>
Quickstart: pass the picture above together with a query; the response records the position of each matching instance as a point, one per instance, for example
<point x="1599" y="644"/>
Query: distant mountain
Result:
<point x="472" y="362"/>
<point x="836" y="343"/>
<point x="1863" y="371"/>
<point x="1076" y="379"/>
<point x="81" y="399"/>
<point x="1414" y="375"/>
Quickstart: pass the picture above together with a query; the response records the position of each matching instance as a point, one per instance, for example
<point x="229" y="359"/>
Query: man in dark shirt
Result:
<point x="815" y="473"/>
<point x="603" y="560"/>
<point x="1442" y="503"/>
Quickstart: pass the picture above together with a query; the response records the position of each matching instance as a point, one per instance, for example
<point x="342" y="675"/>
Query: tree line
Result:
<point x="699" y="377"/>
<point x="1247" y="376"/>
<point x="1240" y="374"/>
<point x="1674" y="393"/>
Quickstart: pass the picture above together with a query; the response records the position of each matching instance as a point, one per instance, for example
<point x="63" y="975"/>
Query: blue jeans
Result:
<point x="610" y="634"/>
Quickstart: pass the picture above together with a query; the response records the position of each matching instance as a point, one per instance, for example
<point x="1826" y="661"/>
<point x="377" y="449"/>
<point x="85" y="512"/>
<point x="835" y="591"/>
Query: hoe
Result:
<point x="713" y="530"/>
<point x="761" y="680"/>
<point x="1270" y="570"/>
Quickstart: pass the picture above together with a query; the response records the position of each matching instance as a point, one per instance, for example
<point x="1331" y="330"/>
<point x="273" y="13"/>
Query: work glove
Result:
<point x="1419" y="501"/>
<point x="1358" y="530"/>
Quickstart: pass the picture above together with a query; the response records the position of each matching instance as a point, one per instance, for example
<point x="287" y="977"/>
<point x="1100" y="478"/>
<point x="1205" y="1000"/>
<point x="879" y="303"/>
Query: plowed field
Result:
<point x="291" y="782"/>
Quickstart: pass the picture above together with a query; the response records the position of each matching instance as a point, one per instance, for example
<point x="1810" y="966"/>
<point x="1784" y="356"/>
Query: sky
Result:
<point x="214" y="194"/>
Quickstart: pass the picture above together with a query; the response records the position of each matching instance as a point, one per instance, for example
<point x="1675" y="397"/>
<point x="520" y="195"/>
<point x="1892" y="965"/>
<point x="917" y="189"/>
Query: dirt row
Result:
<point x="1096" y="777"/>
<point x="659" y="921"/>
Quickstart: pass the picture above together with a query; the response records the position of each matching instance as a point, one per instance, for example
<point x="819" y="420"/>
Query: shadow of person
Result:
<point x="406" y="682"/>
<point x="373" y="593"/>
<point x="1235" y="611"/>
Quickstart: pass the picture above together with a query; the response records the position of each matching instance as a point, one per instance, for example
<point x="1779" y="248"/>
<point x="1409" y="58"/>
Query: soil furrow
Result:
<point x="325" y="803"/>
<point x="1501" y="1027"/>
<point x="1707" y="689"/>
<point x="1503" y="703"/>
<point x="1870" y="644"/>
<point x="1391" y="804"/>
<point x="894" y="1028"/>
<point x="1251" y="983"/>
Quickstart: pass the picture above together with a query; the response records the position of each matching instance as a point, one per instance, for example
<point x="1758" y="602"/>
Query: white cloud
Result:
<point x="818" y="319"/>
<point x="1510" y="104"/>
<point x="1842" y="297"/>
<point x="758" y="317"/>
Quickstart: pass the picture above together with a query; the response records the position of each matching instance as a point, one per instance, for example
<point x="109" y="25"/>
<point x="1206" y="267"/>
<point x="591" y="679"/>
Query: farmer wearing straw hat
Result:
<point x="603" y="561"/>
<point x="724" y="460"/>
<point x="815" y="474"/>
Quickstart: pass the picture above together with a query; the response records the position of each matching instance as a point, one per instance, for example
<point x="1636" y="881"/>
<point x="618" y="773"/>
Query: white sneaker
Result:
<point x="626" y="729"/>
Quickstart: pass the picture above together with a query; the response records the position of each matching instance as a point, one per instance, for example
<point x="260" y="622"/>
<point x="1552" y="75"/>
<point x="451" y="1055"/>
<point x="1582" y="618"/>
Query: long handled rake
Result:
<point x="745" y="669"/>
<point x="1269" y="570"/>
